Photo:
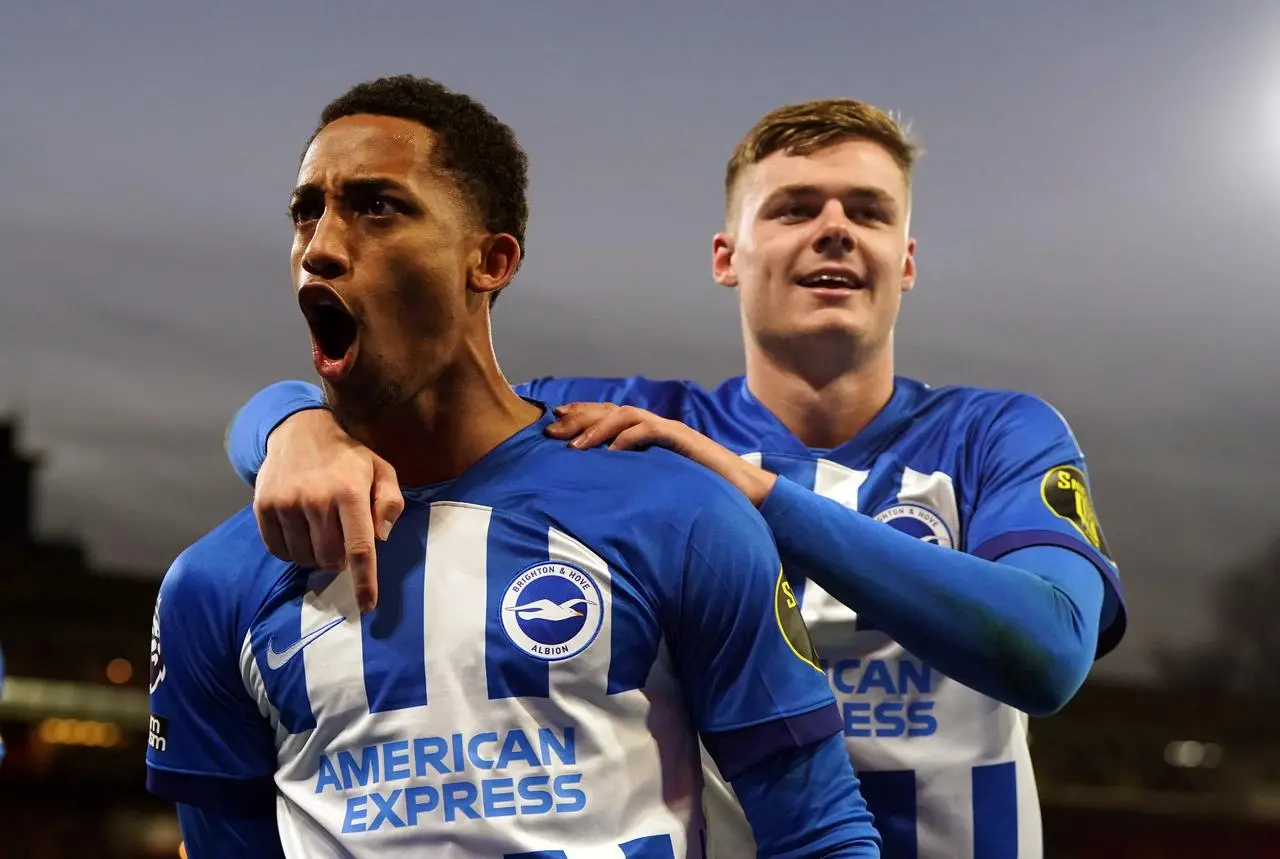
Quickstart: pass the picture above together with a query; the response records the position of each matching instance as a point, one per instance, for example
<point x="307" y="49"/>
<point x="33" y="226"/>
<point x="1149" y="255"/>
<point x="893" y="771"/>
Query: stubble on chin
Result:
<point x="356" y="409"/>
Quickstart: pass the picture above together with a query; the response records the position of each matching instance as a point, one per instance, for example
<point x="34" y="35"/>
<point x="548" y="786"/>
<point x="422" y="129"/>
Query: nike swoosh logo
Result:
<point x="278" y="659"/>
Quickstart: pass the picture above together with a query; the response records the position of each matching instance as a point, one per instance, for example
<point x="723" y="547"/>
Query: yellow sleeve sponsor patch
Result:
<point x="786" y="608"/>
<point x="1066" y="492"/>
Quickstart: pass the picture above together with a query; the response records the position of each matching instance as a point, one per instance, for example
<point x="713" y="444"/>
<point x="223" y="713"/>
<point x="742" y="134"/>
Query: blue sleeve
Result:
<point x="668" y="399"/>
<point x="246" y="440"/>
<point x="247" y="434"/>
<point x="741" y="650"/>
<point x="209" y="835"/>
<point x="804" y="802"/>
<point x="1022" y="631"/>
<point x="209" y="745"/>
<point x="1034" y="491"/>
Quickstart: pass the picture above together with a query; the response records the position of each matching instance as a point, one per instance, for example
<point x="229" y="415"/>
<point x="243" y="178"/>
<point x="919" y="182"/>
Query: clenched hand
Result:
<point x="318" y="496"/>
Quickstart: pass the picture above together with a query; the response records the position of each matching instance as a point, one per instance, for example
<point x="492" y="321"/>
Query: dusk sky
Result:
<point x="1096" y="210"/>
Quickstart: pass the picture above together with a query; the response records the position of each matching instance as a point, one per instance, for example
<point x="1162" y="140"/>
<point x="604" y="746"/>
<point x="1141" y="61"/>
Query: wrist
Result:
<point x="309" y="420"/>
<point x="762" y="483"/>
<point x="755" y="482"/>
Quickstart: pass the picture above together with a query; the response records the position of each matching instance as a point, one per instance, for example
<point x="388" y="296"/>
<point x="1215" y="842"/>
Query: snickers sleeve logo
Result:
<point x="1066" y="493"/>
<point x="786" y="609"/>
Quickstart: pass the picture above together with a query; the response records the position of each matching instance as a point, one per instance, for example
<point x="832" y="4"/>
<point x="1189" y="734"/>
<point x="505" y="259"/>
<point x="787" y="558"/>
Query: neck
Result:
<point x="449" y="425"/>
<point x="824" y="399"/>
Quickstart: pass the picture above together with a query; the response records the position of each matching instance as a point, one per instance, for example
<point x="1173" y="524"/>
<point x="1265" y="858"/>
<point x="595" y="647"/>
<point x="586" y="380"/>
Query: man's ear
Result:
<point x="722" y="247"/>
<point x="497" y="264"/>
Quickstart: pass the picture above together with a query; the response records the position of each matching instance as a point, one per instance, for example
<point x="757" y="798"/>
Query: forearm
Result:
<point x="804" y="803"/>
<point x="246" y="440"/>
<point x="1022" y="630"/>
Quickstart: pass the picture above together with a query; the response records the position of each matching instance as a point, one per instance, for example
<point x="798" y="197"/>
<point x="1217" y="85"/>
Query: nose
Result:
<point x="834" y="236"/>
<point x="327" y="255"/>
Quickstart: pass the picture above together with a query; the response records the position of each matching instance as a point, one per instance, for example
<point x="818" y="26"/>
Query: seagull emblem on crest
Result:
<point x="545" y="609"/>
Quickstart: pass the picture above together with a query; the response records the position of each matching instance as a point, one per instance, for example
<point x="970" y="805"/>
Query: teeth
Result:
<point x="825" y="279"/>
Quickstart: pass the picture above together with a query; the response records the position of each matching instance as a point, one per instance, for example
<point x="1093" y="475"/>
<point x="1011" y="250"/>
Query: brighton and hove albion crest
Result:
<point x="552" y="611"/>
<point x="918" y="521"/>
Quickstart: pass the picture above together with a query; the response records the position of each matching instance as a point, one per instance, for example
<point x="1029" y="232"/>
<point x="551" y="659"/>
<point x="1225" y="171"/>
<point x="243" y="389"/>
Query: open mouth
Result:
<point x="333" y="329"/>
<point x="831" y="280"/>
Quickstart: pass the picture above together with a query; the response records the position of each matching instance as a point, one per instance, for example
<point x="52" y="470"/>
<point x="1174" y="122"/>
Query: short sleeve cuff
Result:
<point x="252" y="797"/>
<point x="739" y="750"/>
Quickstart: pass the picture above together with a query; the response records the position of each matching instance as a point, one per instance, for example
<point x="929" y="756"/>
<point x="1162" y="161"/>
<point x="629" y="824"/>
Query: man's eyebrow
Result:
<point x="858" y="192"/>
<point x="304" y="191"/>
<point x="857" y="195"/>
<point x="350" y="188"/>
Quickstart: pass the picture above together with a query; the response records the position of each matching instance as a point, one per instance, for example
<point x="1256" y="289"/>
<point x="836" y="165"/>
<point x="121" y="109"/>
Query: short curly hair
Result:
<point x="477" y="149"/>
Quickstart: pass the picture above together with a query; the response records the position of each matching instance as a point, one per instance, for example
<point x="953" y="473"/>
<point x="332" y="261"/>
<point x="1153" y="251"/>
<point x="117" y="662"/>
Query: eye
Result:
<point x="795" y="212"/>
<point x="305" y="211"/>
<point x="380" y="207"/>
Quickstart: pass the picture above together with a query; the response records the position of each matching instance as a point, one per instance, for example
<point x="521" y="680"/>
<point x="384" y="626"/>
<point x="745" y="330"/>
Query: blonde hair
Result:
<point x="800" y="129"/>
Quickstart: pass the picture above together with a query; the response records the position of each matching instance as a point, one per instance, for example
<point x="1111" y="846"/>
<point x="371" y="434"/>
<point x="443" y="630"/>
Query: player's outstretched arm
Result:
<point x="759" y="698"/>
<point x="251" y="427"/>
<point x="1022" y="630"/>
<point x="1023" y="614"/>
<point x="1020" y="619"/>
<point x="209" y="749"/>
